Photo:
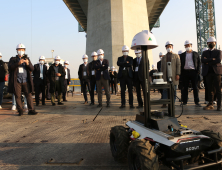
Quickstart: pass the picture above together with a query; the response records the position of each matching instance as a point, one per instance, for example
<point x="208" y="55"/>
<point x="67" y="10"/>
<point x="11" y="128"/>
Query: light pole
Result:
<point x="52" y="52"/>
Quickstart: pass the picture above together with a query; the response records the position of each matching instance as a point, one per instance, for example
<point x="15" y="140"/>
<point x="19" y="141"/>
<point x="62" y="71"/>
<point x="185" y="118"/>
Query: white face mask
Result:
<point x="85" y="60"/>
<point x="160" y="58"/>
<point x="41" y="62"/>
<point x="0" y="58"/>
<point x="21" y="53"/>
<point x="188" y="48"/>
<point x="139" y="55"/>
<point x="56" y="62"/>
<point x="125" y="53"/>
<point x="101" y="57"/>
<point x="169" y="50"/>
<point x="66" y="66"/>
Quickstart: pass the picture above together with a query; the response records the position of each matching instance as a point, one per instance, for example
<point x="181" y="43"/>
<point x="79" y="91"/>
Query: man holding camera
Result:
<point x="20" y="79"/>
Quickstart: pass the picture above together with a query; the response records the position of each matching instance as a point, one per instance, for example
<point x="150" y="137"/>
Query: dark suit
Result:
<point x="125" y="76"/>
<point x="84" y="80"/>
<point x="92" y="79"/>
<point x="66" y="83"/>
<point x="138" y="78"/>
<point x="190" y="75"/>
<point x="212" y="69"/>
<point x="159" y="66"/>
<point x="113" y="80"/>
<point x="39" y="83"/>
<point x="102" y="79"/>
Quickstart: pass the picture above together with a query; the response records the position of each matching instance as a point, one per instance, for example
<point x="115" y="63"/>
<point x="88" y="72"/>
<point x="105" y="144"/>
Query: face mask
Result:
<point x="0" y="59"/>
<point x="125" y="53"/>
<point x="188" y="48"/>
<point x="211" y="45"/>
<point x="138" y="55"/>
<point x="21" y="53"/>
<point x="56" y="62"/>
<point x="101" y="57"/>
<point x="160" y="58"/>
<point x="85" y="60"/>
<point x="41" y="62"/>
<point x="66" y="66"/>
<point x="169" y="50"/>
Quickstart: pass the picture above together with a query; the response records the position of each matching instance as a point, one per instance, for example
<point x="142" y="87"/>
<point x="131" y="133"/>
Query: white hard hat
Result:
<point x="84" y="56"/>
<point x="100" y="51"/>
<point x="137" y="51"/>
<point x="212" y="39"/>
<point x="144" y="38"/>
<point x="112" y="67"/>
<point x="180" y="52"/>
<point x="66" y="62"/>
<point x="93" y="54"/>
<point x="0" y="54"/>
<point x="153" y="66"/>
<point x="168" y="43"/>
<point x="205" y="49"/>
<point x="41" y="57"/>
<point x="20" y="46"/>
<point x="125" y="48"/>
<point x="187" y="42"/>
<point x="160" y="53"/>
<point x="57" y="57"/>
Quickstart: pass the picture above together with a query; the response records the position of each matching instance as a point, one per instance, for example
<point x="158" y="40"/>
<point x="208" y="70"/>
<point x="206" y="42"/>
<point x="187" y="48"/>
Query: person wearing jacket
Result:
<point x="125" y="76"/>
<point x="56" y="75"/>
<point x="113" y="79"/>
<point x="40" y="75"/>
<point x="212" y="69"/>
<point x="67" y="79"/>
<point x="20" y="79"/>
<point x="3" y="74"/>
<point x="190" y="71"/>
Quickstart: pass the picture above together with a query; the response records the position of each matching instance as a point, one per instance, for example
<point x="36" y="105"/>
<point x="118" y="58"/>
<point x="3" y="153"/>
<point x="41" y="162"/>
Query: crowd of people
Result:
<point x="52" y="81"/>
<point x="186" y="66"/>
<point x="24" y="79"/>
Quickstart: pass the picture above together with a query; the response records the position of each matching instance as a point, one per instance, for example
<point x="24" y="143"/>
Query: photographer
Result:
<point x="3" y="73"/>
<point x="20" y="80"/>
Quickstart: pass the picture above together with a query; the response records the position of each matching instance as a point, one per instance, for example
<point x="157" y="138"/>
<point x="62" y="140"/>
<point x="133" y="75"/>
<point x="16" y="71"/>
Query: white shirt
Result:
<point x="66" y="77"/>
<point x="41" y="70"/>
<point x="189" y="65"/>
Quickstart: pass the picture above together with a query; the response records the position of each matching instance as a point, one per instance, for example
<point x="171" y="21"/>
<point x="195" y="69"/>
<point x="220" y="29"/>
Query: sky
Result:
<point x="45" y="25"/>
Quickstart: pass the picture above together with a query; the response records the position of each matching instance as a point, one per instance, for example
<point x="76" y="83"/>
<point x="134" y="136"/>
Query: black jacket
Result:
<point x="80" y="72"/>
<point x="140" y="73"/>
<point x="51" y="76"/>
<point x="91" y="68"/>
<point x="196" y="62"/>
<point x="159" y="66"/>
<point x="113" y="77"/>
<point x="36" y="74"/>
<point x="207" y="60"/>
<point x="104" y="68"/>
<point x="121" y="63"/>
<point x="3" y="71"/>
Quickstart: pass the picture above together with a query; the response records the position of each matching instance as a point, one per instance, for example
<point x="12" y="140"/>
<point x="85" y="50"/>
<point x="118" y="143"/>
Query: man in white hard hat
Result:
<point x="138" y="73"/>
<point x="20" y="79"/>
<point x="3" y="76"/>
<point x="102" y="77"/>
<point x="159" y="62"/>
<point x="92" y="69"/>
<point x="84" y="76"/>
<point x="176" y="68"/>
<point x="67" y="80"/>
<point x="212" y="69"/>
<point x="113" y="79"/>
<point x="190" y="71"/>
<point x="125" y="76"/>
<point x="56" y="75"/>
<point x="40" y="75"/>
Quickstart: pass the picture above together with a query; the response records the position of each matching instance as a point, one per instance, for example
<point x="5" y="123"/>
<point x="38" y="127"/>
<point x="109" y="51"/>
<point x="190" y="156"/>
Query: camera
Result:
<point x="24" y="57"/>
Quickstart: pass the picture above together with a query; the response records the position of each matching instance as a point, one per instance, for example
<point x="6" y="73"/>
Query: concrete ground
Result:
<point x="66" y="137"/>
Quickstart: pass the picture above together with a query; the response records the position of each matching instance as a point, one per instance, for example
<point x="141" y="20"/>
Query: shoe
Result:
<point x="209" y="107"/>
<point x="100" y="105"/>
<point x="92" y="104"/>
<point x="14" y="107"/>
<point x="20" y="112"/>
<point x="32" y="112"/>
<point x="164" y="106"/>
<point x="43" y="104"/>
<point x="139" y="106"/>
<point x="214" y="102"/>
<point x="107" y="105"/>
<point x="198" y="105"/>
<point x="132" y="107"/>
<point x="85" y="102"/>
<point x="206" y="102"/>
<point x="60" y="103"/>
<point x="122" y="106"/>
<point x="218" y="108"/>
<point x="65" y="100"/>
<point x="25" y="106"/>
<point x="53" y="104"/>
<point x="183" y="104"/>
<point x="37" y="104"/>
<point x="0" y="107"/>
